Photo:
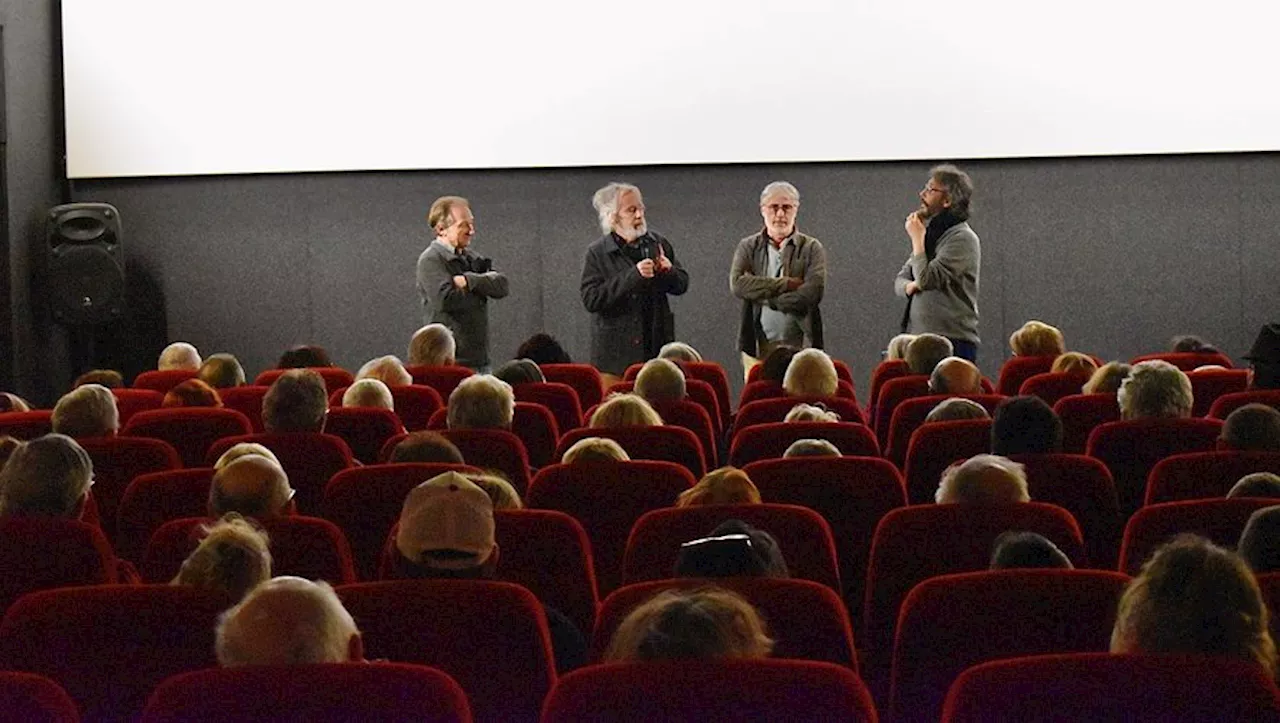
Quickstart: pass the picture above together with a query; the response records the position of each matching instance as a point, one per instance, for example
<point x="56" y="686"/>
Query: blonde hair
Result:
<point x="386" y="369"/>
<point x="679" y="351"/>
<point x="501" y="491"/>
<point x="1075" y="362"/>
<point x="481" y="401"/>
<point x="660" y="380"/>
<point x="1037" y="338"/>
<point x="811" y="373"/>
<point x="810" y="413"/>
<point x="595" y="449"/>
<point x="724" y="486"/>
<point x="441" y="211"/>
<point x="236" y="451"/>
<point x="1195" y="597"/>
<point x="897" y="348"/>
<point x="369" y="393"/>
<point x="433" y="345"/>
<point x="1155" y="389"/>
<point x="1107" y="379"/>
<point x="234" y="556"/>
<point x="625" y="410"/>
<point x="88" y="410"/>
<point x="706" y="623"/>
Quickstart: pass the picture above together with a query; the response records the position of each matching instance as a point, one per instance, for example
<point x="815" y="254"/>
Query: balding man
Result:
<point x="88" y="410"/>
<point x="288" y="621"/>
<point x="252" y="485"/>
<point x="179" y="355"/>
<point x="954" y="375"/>
<point x="985" y="479"/>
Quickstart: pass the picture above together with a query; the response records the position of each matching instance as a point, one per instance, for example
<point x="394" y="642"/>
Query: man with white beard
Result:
<point x="626" y="278"/>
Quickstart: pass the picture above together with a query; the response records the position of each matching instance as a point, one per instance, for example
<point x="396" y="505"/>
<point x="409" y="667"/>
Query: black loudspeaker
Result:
<point x="85" y="249"/>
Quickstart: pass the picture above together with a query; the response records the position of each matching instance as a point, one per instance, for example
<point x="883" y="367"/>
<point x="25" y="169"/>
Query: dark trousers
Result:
<point x="965" y="350"/>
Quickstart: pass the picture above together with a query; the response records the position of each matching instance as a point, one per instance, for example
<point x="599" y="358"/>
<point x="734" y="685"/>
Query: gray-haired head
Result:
<point x="605" y="202"/>
<point x="780" y="188"/>
<point x="957" y="184"/>
<point x="49" y="475"/>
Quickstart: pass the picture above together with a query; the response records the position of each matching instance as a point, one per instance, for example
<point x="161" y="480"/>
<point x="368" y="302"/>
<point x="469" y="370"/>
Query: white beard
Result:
<point x="631" y="234"/>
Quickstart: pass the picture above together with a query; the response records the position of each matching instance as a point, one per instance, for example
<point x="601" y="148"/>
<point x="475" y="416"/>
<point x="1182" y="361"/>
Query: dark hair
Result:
<point x="299" y="357"/>
<point x="109" y="378"/>
<point x="1025" y="425"/>
<point x="734" y="549"/>
<point x="1265" y="375"/>
<point x="1188" y="343"/>
<point x="1260" y="542"/>
<point x="542" y="348"/>
<point x="519" y="371"/>
<point x="773" y="368"/>
<point x="426" y="447"/>
<point x="959" y="188"/>
<point x="1014" y="549"/>
<point x="1252" y="428"/>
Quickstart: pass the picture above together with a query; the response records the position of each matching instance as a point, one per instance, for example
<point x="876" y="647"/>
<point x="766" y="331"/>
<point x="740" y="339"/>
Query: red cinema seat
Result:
<point x="324" y="691"/>
<point x="35" y="698"/>
<point x="755" y="391"/>
<point x="26" y="425"/>
<point x="1103" y="687"/>
<point x="532" y="423"/>
<point x="895" y="392"/>
<point x="443" y="379"/>
<point x="308" y="458"/>
<point x="1082" y="486"/>
<point x="1131" y="448"/>
<point x="303" y="546"/>
<point x="807" y="620"/>
<point x="911" y="413"/>
<point x="334" y="377"/>
<point x="695" y="418"/>
<point x="153" y="499"/>
<point x="561" y="399"/>
<point x="190" y="430"/>
<point x="116" y="461"/>
<point x="491" y="637"/>
<point x="1209" y="384"/>
<point x="248" y="401"/>
<point x="414" y="404"/>
<point x="696" y="392"/>
<point x="1228" y="403"/>
<point x="1201" y="475"/>
<point x="664" y="444"/>
<point x="131" y="401"/>
<point x="1018" y="369"/>
<point x="843" y="372"/>
<point x="685" y="691"/>
<point x="934" y="446"/>
<point x="1052" y="386"/>
<point x="584" y="378"/>
<point x="1080" y="414"/>
<point x="712" y="373"/>
<point x="770" y="441"/>
<point x="490" y="449"/>
<point x="1219" y="521"/>
<point x="364" y="429"/>
<point x="804" y="539"/>
<point x="884" y="371"/>
<point x="607" y="498"/>
<point x="1187" y="361"/>
<point x="109" y="646"/>
<point x="765" y="411"/>
<point x="163" y="381"/>
<point x="38" y="553"/>
<point x="953" y="622"/>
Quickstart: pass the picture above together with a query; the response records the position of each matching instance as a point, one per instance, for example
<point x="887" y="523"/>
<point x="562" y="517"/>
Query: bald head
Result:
<point x="985" y="479"/>
<point x="954" y="375"/>
<point x="288" y="621"/>
<point x="179" y="355"/>
<point x="253" y="485"/>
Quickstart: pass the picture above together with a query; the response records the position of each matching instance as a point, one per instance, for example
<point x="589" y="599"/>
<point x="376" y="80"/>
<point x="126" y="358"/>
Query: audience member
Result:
<point x="500" y="491"/>
<point x="13" y="403"/>
<point x="595" y="449"/>
<point x="109" y="378"/>
<point x="1155" y="389"/>
<point x="1073" y="362"/>
<point x="660" y="380"/>
<point x="432" y="346"/>
<point x="1264" y="358"/>
<point x="624" y="410"/>
<point x="811" y="448"/>
<point x="984" y="479"/>
<point x="679" y="351"/>
<point x="221" y="371"/>
<point x="1025" y="425"/>
<point x="957" y="408"/>
<point x="1107" y="379"/>
<point x="1037" y="338"/>
<point x="926" y="351"/>
<point x="48" y="476"/>
<point x="520" y="371"/>
<point x="954" y="375"/>
<point x="370" y="393"/>
<point x="296" y="402"/>
<point x="426" y="447"/>
<point x="233" y="557"/>
<point x="543" y="349"/>
<point x="811" y="413"/>
<point x="252" y="486"/>
<point x="1260" y="542"/>
<point x="1252" y="428"/>
<point x="733" y="549"/>
<point x="708" y="623"/>
<point x="8" y="445"/>
<point x="773" y="368"/>
<point x="386" y="369"/>
<point x="897" y="348"/>
<point x="303" y="357"/>
<point x="1195" y="597"/>
<point x="1015" y="549"/>
<point x="1257" y="484"/>
<point x="1188" y="344"/>
<point x="724" y="486"/>
<point x="481" y="401"/>
<point x="811" y="373"/>
<point x="87" y="411"/>
<point x="242" y="449"/>
<point x="178" y="355"/>
<point x="288" y="621"/>
<point x="191" y="393"/>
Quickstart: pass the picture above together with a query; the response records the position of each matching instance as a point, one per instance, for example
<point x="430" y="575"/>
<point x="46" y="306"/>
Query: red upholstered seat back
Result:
<point x="561" y="399"/>
<point x="364" y="429"/>
<point x="667" y="443"/>
<point x="1220" y="521"/>
<point x="37" y="553"/>
<point x="1052" y="386"/>
<point x="770" y="441"/>
<point x="131" y="401"/>
<point x="156" y="498"/>
<point x="26" y="425"/>
<point x="192" y="431"/>
<point x="1130" y="448"/>
<point x="116" y="461"/>
<point x="1209" y="384"/>
<point x="884" y="371"/>
<point x="334" y="377"/>
<point x="911" y="413"/>
<point x="1018" y="369"/>
<point x="1200" y="475"/>
<point x="303" y="546"/>
<point x="1080" y="414"/>
<point x="1082" y="486"/>
<point x="248" y="401"/>
<point x="765" y="411"/>
<point x="308" y="458"/>
<point x="1187" y="361"/>
<point x="895" y="392"/>
<point x="584" y="378"/>
<point x="934" y="447"/>
<point x="443" y="379"/>
<point x="30" y="697"/>
<point x="414" y="404"/>
<point x="1226" y="404"/>
<point x="163" y="381"/>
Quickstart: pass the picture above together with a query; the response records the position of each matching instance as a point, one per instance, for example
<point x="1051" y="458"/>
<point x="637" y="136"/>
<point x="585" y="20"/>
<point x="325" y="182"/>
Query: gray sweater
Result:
<point x="946" y="302"/>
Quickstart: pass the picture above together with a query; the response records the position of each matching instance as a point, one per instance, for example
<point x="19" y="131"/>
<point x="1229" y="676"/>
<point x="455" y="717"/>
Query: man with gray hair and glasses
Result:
<point x="626" y="278"/>
<point x="780" y="275"/>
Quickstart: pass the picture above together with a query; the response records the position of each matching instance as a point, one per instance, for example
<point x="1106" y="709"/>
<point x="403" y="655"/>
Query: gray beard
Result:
<point x="631" y="234"/>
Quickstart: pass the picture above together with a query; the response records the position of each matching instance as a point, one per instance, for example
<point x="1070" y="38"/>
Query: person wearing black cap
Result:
<point x="1264" y="358"/>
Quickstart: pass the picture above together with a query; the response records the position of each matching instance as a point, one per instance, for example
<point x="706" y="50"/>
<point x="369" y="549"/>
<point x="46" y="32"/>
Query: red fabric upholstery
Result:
<point x="534" y="424"/>
<point x="1080" y="414"/>
<point x="765" y="411"/>
<point x="607" y="498"/>
<point x="35" y="699"/>
<point x="807" y="620"/>
<point x="1018" y="369"/>
<point x="770" y="441"/>
<point x="894" y="392"/>
<point x="1220" y="521"/>
<point x="696" y="391"/>
<point x="843" y="372"/>
<point x="1052" y="386"/>
<point x="364" y="429"/>
<point x="491" y="637"/>
<point x="443" y="379"/>
<point x="116" y="461"/>
<point x="1199" y="475"/>
<point x="414" y="404"/>
<point x="1082" y="486"/>
<point x="328" y="691"/>
<point x="695" y="418"/>
<point x="1102" y="687"/>
<point x="756" y="391"/>
<point x="804" y="539"/>
<point x="109" y="646"/>
<point x="911" y="413"/>
<point x="954" y="622"/>
<point x="190" y="430"/>
<point x="934" y="447"/>
<point x="248" y="401"/>
<point x="334" y="377"/>
<point x="365" y="503"/>
<point x="163" y="381"/>
<point x="491" y="449"/>
<point x="712" y="373"/>
<point x="1130" y="448"/>
<point x="308" y="458"/>
<point x="26" y="425"/>
<point x="304" y="546"/>
<point x="153" y="499"/>
<point x="1209" y="384"/>
<point x="1228" y="403"/>
<point x="584" y="378"/>
<point x="38" y="553"/>
<point x="131" y="401"/>
<point x="1187" y="361"/>
<point x="685" y="691"/>
<point x="884" y="371"/>
<point x="665" y="444"/>
<point x="561" y="399"/>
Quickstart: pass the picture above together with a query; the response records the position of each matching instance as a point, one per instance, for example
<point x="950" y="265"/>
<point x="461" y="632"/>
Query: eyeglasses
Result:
<point x="787" y="208"/>
<point x="930" y="189"/>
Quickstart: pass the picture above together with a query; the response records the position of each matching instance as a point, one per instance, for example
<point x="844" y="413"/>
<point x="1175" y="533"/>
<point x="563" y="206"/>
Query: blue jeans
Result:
<point x="964" y="349"/>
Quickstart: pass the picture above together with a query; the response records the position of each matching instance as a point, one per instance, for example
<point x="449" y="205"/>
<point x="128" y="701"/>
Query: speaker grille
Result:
<point x="86" y="285"/>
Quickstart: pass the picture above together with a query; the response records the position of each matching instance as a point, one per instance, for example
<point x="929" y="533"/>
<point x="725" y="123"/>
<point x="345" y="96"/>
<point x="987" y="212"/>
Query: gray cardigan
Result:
<point x="946" y="302"/>
<point x="464" y="311"/>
